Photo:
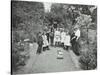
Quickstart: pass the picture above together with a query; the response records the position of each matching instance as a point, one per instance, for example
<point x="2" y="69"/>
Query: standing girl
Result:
<point x="67" y="41"/>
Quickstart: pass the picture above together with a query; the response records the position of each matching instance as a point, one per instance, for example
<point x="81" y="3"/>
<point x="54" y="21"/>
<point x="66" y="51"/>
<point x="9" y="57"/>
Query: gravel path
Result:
<point x="47" y="61"/>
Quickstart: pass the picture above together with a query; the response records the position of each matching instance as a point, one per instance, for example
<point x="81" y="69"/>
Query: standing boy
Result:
<point x="39" y="42"/>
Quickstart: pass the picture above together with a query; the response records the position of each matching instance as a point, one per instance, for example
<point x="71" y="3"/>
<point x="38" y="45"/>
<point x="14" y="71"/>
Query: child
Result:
<point x="56" y="37"/>
<point x="67" y="41"/>
<point x="63" y="34"/>
<point x="45" y="42"/>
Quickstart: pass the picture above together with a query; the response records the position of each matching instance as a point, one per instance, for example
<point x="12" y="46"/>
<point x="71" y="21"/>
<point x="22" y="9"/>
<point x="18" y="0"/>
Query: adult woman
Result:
<point x="39" y="42"/>
<point x="74" y="41"/>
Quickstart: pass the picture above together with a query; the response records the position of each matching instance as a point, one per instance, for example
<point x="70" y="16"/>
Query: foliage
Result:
<point x="88" y="59"/>
<point x="27" y="18"/>
<point x="20" y="51"/>
<point x="94" y="16"/>
<point x="88" y="56"/>
<point x="26" y="14"/>
<point x="83" y="20"/>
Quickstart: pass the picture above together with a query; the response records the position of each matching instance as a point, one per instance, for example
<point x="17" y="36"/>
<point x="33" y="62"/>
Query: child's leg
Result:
<point x="67" y="48"/>
<point x="64" y="47"/>
<point x="44" y="48"/>
<point x="37" y="50"/>
<point x="47" y="48"/>
<point x="54" y="41"/>
<point x="59" y="43"/>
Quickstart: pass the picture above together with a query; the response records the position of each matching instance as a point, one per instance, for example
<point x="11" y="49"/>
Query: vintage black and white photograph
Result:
<point x="52" y="37"/>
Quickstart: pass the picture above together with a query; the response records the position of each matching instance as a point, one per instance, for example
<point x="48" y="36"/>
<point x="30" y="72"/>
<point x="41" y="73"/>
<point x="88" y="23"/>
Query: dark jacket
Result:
<point x="40" y="40"/>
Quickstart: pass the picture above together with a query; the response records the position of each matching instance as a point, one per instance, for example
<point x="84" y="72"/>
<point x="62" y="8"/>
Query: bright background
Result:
<point x="5" y="25"/>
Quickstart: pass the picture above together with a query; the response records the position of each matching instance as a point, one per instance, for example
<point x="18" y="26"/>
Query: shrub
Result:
<point x="88" y="60"/>
<point x="20" y="51"/>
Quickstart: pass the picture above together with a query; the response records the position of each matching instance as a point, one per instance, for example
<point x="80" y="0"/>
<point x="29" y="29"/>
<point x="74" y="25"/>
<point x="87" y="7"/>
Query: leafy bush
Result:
<point x="26" y="19"/>
<point x="88" y="60"/>
<point x="20" y="51"/>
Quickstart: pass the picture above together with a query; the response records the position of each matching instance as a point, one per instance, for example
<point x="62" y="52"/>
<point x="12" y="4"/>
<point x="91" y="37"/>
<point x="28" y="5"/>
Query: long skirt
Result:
<point x="76" y="47"/>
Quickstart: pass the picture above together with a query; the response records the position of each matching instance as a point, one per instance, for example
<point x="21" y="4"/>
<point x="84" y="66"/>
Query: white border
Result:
<point x="5" y="35"/>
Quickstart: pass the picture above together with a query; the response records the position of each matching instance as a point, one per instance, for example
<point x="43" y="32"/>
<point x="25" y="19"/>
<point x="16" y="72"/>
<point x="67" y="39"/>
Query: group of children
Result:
<point x="58" y="37"/>
<point x="62" y="38"/>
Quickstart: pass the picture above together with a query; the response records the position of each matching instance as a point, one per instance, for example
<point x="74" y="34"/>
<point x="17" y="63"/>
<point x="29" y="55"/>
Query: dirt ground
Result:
<point x="47" y="61"/>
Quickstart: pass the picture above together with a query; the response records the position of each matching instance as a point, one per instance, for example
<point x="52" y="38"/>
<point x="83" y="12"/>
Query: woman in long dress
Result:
<point x="74" y="41"/>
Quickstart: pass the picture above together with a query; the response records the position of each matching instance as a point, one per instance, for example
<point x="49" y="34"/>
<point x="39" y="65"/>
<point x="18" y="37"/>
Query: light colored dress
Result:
<point x="45" y="41"/>
<point x="57" y="36"/>
<point x="67" y="40"/>
<point x="63" y="34"/>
